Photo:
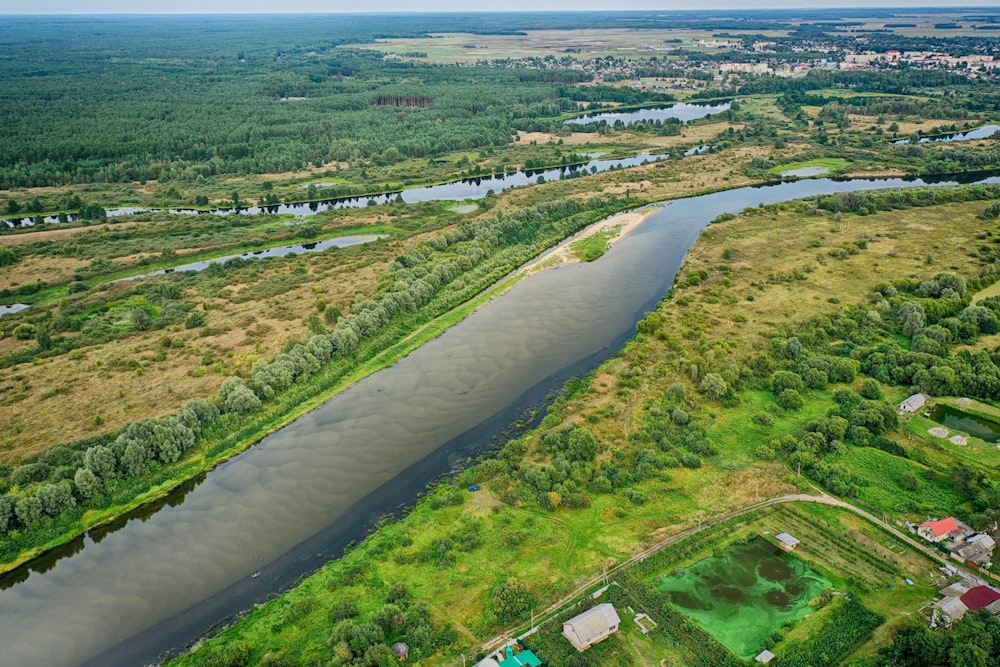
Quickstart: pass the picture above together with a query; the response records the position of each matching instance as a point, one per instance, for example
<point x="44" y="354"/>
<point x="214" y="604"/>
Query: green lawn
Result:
<point x="832" y="164"/>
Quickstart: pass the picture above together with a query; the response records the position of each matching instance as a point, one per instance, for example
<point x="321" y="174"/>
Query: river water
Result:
<point x="466" y="188"/>
<point x="126" y="595"/>
<point x="682" y="112"/>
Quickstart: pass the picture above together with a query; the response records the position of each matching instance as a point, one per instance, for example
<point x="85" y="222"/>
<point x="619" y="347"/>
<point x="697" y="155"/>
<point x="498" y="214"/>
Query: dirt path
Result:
<point x="823" y="499"/>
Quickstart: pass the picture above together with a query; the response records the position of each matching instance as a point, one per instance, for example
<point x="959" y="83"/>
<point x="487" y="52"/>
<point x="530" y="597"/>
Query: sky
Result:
<point x="291" y="6"/>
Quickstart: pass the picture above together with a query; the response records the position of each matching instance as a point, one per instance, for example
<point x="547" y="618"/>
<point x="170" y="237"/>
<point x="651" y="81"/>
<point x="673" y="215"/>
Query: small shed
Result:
<point x="586" y="629"/>
<point x="786" y="541"/>
<point x="913" y="403"/>
<point x="523" y="658"/>
<point x="952" y="608"/>
<point x="764" y="657"/>
<point x="401" y="649"/>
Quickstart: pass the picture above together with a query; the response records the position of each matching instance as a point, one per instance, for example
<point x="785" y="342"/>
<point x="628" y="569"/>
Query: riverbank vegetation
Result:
<point x="50" y="498"/>
<point x="715" y="403"/>
<point x="772" y="367"/>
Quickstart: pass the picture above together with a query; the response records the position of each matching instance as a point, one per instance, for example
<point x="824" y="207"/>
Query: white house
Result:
<point x="913" y="403"/>
<point x="586" y="629"/>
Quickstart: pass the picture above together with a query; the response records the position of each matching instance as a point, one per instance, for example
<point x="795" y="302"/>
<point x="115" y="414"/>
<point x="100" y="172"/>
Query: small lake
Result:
<point x="683" y="112"/>
<point x="281" y="251"/>
<point x="955" y="419"/>
<point x="467" y="188"/>
<point x="698" y="150"/>
<point x="984" y="132"/>
<point x="745" y="594"/>
<point x="806" y="172"/>
<point x="13" y="308"/>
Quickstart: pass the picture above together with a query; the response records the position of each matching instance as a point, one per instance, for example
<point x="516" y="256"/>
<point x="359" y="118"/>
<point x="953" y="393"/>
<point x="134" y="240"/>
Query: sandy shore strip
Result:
<point x="562" y="254"/>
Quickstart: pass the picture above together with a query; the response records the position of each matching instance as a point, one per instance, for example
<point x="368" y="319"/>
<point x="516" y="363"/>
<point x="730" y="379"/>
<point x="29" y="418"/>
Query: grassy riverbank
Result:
<point x="406" y="335"/>
<point x="758" y="276"/>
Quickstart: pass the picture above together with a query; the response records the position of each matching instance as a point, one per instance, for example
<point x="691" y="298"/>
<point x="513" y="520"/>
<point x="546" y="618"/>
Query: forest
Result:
<point x="769" y="372"/>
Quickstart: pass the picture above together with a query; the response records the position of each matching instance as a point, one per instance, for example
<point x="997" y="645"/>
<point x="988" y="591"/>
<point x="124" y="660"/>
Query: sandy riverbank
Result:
<point x="622" y="223"/>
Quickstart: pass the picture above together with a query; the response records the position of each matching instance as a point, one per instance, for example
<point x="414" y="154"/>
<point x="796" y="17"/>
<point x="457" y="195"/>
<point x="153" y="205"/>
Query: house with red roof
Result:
<point x="980" y="597"/>
<point x="942" y="529"/>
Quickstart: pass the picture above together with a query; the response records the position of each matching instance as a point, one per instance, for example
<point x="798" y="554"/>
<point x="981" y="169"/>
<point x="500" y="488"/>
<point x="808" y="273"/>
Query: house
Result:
<point x="956" y="590"/>
<point x="913" y="403"/>
<point x="977" y="550"/>
<point x="586" y="629"/>
<point x="764" y="657"/>
<point x="980" y="597"/>
<point x="786" y="541"/>
<point x="938" y="531"/>
<point x="952" y="609"/>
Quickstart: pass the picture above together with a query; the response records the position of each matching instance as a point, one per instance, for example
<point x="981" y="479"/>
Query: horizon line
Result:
<point x="849" y="4"/>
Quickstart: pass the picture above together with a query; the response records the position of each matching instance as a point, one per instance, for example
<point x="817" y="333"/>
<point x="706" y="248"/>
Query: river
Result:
<point x="282" y="508"/>
<point x="467" y="188"/>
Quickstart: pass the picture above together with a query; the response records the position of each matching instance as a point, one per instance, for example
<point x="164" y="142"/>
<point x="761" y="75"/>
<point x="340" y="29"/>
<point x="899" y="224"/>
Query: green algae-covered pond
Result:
<point x="745" y="594"/>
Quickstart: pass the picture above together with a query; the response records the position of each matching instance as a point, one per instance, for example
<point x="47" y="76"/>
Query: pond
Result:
<point x="745" y="594"/>
<point x="984" y="132"/>
<point x="955" y="419"/>
<point x="683" y="112"/>
<point x="282" y="251"/>
<point x="13" y="308"/>
<point x="157" y="579"/>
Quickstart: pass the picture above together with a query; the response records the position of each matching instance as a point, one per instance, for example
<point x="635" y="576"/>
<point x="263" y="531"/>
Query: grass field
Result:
<point x="832" y="164"/>
<point x="587" y="43"/>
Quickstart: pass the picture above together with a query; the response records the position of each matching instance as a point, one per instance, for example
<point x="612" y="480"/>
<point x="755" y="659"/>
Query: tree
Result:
<point x="42" y="337"/>
<point x="790" y="399"/>
<point x="7" y="504"/>
<point x="86" y="482"/>
<point x="13" y="206"/>
<point x="237" y="397"/>
<point x="870" y="389"/>
<point x="783" y="380"/>
<point x="29" y="511"/>
<point x="714" y="386"/>
<point x="56" y="498"/>
<point x="512" y="601"/>
<point x="134" y="459"/>
<point x="100" y="461"/>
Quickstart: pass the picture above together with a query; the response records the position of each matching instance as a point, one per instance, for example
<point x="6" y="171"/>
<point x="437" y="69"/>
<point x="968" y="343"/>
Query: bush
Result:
<point x="24" y="331"/>
<point x="790" y="399"/>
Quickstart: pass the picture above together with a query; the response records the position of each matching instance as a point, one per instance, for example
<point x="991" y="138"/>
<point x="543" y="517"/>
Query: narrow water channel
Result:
<point x="123" y="597"/>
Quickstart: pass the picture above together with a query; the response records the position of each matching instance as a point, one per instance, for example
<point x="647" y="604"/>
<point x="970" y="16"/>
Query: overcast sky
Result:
<point x="283" y="6"/>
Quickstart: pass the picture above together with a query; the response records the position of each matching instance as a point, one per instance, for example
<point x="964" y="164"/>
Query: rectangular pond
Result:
<point x="957" y="420"/>
<point x="744" y="595"/>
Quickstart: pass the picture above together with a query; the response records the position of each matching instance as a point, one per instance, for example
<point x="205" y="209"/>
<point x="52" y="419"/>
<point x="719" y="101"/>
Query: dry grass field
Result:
<point x="149" y="374"/>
